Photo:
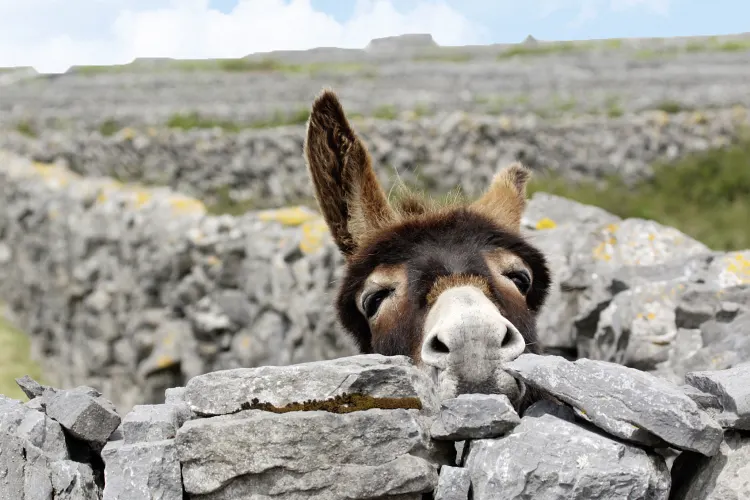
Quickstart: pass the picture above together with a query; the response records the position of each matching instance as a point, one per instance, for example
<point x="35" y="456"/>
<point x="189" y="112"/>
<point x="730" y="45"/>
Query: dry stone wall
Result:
<point x="439" y="153"/>
<point x="372" y="427"/>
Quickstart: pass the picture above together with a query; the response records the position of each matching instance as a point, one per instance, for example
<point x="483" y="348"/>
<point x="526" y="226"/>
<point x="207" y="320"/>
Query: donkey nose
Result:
<point x="466" y="334"/>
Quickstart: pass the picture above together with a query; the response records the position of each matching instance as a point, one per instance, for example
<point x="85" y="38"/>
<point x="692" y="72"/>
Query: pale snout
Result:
<point x="467" y="341"/>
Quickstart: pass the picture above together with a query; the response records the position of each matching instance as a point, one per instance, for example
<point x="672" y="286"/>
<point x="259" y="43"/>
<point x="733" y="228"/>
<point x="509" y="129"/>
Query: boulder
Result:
<point x="622" y="401"/>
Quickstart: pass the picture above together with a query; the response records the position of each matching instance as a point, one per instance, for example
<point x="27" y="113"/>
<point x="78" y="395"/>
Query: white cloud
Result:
<point x="68" y="32"/>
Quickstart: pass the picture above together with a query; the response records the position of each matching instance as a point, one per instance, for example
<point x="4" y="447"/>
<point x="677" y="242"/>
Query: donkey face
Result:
<point x="453" y="286"/>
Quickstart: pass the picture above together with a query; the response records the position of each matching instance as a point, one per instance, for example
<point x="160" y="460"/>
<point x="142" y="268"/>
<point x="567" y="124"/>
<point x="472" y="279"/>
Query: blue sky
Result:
<point x="512" y="21"/>
<point x="67" y="32"/>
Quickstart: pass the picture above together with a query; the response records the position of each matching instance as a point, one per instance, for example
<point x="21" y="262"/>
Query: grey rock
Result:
<point x="11" y="466"/>
<point x="474" y="416"/>
<point x="85" y="415"/>
<point x="58" y="479"/>
<point x="253" y="450"/>
<point x="547" y="407"/>
<point x="404" y="478"/>
<point x="453" y="484"/>
<point x="732" y="389"/>
<point x="33" y="427"/>
<point x="141" y="470"/>
<point x="550" y="458"/>
<point x="151" y="423"/>
<point x="174" y="395"/>
<point x="625" y="402"/>
<point x="725" y="476"/>
<point x="703" y="399"/>
<point x="224" y="392"/>
<point x="30" y="387"/>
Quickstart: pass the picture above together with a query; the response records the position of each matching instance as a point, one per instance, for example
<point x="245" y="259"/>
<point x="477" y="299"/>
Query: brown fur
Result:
<point x="413" y="248"/>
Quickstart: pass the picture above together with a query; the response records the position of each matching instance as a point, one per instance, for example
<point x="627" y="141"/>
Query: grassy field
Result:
<point x="15" y="360"/>
<point x="706" y="196"/>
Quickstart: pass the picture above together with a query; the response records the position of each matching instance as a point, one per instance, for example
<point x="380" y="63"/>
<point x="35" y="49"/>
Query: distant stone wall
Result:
<point x="437" y="152"/>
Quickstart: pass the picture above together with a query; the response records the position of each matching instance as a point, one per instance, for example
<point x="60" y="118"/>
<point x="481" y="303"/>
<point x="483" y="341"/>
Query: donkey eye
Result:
<point x="521" y="279"/>
<point x="371" y="302"/>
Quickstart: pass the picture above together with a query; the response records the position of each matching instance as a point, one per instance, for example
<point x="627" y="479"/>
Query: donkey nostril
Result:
<point x="438" y="346"/>
<point x="507" y="339"/>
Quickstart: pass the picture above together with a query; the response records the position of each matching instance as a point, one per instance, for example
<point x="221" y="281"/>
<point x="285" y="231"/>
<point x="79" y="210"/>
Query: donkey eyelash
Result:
<point x="521" y="279"/>
<point x="371" y="302"/>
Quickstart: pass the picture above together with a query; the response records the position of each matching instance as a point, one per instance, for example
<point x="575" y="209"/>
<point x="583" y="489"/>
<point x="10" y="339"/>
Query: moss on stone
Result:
<point x="344" y="403"/>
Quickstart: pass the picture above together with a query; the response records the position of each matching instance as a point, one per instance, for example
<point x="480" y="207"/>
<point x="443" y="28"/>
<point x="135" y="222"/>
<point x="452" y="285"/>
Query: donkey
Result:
<point x="451" y="284"/>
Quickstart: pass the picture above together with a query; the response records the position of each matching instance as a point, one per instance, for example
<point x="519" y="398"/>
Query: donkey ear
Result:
<point x="505" y="200"/>
<point x="348" y="193"/>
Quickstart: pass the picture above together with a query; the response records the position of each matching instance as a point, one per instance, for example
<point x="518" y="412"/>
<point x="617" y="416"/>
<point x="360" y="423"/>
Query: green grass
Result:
<point x="15" y="361"/>
<point x="671" y="107"/>
<point x="109" y="127"/>
<point x="542" y="50"/>
<point x="194" y="120"/>
<point x="456" y="57"/>
<point x="26" y="128"/>
<point x="386" y="112"/>
<point x="706" y="196"/>
<point x="230" y="65"/>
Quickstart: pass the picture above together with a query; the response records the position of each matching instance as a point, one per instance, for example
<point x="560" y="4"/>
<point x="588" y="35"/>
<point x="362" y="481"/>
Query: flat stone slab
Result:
<point x="732" y="389"/>
<point x="141" y="470"/>
<point x="266" y="453"/>
<point x="474" y="416"/>
<point x="548" y="457"/>
<point x="226" y="391"/>
<point x="625" y="402"/>
<point x="454" y="483"/>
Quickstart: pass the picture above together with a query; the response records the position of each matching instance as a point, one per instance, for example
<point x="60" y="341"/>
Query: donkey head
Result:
<point x="453" y="285"/>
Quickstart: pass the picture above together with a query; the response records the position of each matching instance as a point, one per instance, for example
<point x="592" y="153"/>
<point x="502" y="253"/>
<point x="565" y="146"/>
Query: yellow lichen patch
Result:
<point x="245" y="342"/>
<point x="313" y="234"/>
<point x="169" y="339"/>
<point x="213" y="260"/>
<point x="127" y="133"/>
<point x="54" y="174"/>
<point x="52" y="213"/>
<point x="698" y="118"/>
<point x="603" y="251"/>
<point x="290" y="216"/>
<point x="546" y="223"/>
<point x="651" y="316"/>
<point x="505" y="123"/>
<point x="141" y="198"/>
<point x="739" y="113"/>
<point x="651" y="237"/>
<point x="612" y="228"/>
<point x="661" y="118"/>
<point x="165" y="361"/>
<point x="186" y="205"/>
<point x="739" y="265"/>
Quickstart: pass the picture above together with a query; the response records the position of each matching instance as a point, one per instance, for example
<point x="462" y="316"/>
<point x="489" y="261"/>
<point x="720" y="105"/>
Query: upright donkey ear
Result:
<point x="505" y="199"/>
<point x="347" y="190"/>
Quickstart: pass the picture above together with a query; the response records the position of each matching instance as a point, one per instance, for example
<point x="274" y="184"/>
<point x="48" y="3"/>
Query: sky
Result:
<point x="52" y="35"/>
